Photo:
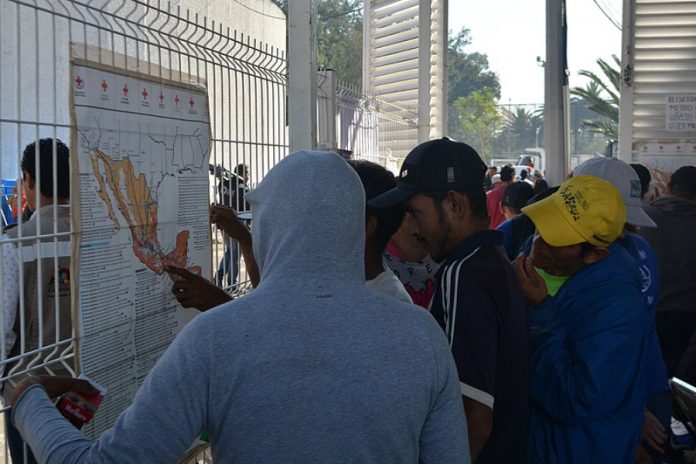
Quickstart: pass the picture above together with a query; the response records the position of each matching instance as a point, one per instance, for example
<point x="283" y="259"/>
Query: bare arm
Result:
<point x="226" y="219"/>
<point x="479" y="418"/>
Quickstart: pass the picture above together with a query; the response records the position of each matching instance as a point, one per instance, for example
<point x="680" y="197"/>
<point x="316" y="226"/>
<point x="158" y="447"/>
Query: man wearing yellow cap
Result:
<point x="587" y="320"/>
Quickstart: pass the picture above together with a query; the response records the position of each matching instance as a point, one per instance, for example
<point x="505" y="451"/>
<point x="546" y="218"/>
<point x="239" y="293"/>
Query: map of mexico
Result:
<point x="140" y="211"/>
<point x="141" y="149"/>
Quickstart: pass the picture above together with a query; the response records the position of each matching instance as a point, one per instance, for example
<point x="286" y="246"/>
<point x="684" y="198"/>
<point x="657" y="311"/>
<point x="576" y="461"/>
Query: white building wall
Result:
<point x="405" y="68"/>
<point x="659" y="67"/>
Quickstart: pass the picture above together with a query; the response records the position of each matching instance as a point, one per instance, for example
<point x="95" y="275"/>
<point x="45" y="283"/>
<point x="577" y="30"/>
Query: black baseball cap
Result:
<point x="436" y="165"/>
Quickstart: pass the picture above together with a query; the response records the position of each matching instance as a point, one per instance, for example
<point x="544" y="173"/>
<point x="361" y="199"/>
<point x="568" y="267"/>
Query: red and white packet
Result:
<point x="80" y="408"/>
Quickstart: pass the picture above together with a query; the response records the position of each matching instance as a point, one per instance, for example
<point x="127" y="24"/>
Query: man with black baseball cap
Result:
<point x="477" y="301"/>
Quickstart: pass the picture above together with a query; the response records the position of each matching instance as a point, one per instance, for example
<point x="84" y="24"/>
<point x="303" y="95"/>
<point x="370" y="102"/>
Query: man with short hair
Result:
<point x="309" y="367"/>
<point x="46" y="293"/>
<point x="477" y="301"/>
<point x="588" y="322"/>
<point x="516" y="197"/>
<point x="494" y="198"/>
<point x="524" y="177"/>
<point x="380" y="224"/>
<point x="675" y="247"/>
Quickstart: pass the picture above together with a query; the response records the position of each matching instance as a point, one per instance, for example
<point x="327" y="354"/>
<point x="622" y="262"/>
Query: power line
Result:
<point x="611" y="20"/>
<point x="259" y="12"/>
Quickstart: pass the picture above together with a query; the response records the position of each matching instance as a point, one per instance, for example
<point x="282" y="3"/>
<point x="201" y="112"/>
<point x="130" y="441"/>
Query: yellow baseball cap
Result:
<point x="584" y="209"/>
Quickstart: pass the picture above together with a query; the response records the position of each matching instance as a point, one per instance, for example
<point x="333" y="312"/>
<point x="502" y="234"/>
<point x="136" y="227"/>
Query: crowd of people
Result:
<point x="449" y="314"/>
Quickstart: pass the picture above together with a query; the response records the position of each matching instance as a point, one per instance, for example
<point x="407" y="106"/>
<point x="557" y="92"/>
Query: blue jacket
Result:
<point x="587" y="385"/>
<point x="655" y="369"/>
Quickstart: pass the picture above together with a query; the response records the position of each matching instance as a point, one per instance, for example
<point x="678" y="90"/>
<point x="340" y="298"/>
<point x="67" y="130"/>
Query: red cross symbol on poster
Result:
<point x="79" y="83"/>
<point x="104" y="85"/>
<point x="161" y="97"/>
<point x="191" y="102"/>
<point x="145" y="94"/>
<point x="125" y="90"/>
<point x="176" y="100"/>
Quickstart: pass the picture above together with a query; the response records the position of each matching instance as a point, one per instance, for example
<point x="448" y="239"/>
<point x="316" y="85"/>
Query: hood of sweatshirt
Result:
<point x="309" y="222"/>
<point x="676" y="206"/>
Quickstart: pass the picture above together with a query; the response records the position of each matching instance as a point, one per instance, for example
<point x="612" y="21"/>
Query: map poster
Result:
<point x="140" y="151"/>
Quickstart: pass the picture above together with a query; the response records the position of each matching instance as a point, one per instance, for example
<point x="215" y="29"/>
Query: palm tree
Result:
<point x="601" y="94"/>
<point x="523" y="125"/>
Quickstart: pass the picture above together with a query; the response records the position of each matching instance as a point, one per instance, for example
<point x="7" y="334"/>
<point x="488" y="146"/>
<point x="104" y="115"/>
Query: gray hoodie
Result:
<point x="309" y="367"/>
<point x="674" y="244"/>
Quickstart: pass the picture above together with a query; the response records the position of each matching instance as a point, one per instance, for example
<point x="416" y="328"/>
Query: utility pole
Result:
<point x="627" y="70"/>
<point x="424" y="71"/>
<point x="302" y="75"/>
<point x="556" y="94"/>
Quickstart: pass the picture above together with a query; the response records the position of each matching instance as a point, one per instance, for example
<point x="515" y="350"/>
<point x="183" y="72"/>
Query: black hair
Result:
<point x="507" y="173"/>
<point x="644" y="176"/>
<point x="683" y="183"/>
<point x="476" y="198"/>
<point x="376" y="180"/>
<point x="523" y="174"/>
<point x="241" y="170"/>
<point x="46" y="156"/>
<point x="540" y="186"/>
<point x="516" y="196"/>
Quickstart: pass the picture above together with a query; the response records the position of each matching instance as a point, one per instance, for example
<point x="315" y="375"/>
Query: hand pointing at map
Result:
<point x="194" y="291"/>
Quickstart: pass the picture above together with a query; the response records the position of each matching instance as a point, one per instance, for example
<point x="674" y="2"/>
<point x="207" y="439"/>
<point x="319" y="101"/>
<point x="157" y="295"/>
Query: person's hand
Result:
<point x="193" y="291"/>
<point x="533" y="286"/>
<point x="642" y="456"/>
<point x="654" y="432"/>
<point x="226" y="219"/>
<point x="55" y="386"/>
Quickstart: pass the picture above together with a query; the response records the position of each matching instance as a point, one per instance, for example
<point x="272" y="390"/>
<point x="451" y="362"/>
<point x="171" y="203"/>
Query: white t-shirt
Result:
<point x="388" y="284"/>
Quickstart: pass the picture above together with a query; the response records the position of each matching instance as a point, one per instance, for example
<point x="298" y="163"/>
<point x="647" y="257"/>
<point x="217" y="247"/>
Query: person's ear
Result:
<point x="370" y="226"/>
<point x="595" y="255"/>
<point x="456" y="204"/>
<point x="28" y="180"/>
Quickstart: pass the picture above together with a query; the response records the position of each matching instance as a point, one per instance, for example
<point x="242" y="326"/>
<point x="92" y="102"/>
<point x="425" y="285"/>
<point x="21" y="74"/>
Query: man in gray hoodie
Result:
<point x="310" y="367"/>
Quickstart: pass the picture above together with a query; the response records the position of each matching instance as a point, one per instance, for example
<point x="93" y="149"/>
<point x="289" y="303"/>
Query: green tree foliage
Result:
<point x="601" y="94"/>
<point x="339" y="36"/>
<point x="467" y="73"/>
<point x="477" y="118"/>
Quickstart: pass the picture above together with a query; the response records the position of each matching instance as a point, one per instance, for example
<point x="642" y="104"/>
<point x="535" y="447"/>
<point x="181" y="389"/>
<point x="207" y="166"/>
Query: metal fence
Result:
<point x="362" y="126"/>
<point x="374" y="129"/>
<point x="246" y="84"/>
